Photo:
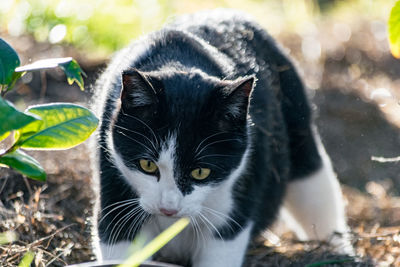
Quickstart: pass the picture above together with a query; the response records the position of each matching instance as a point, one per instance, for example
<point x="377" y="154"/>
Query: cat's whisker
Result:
<point x="145" y="124"/>
<point x="119" y="202"/>
<point x="211" y="164"/>
<point x="137" y="214"/>
<point x="121" y="223"/>
<point x="205" y="225"/>
<point x="205" y="139"/>
<point x="217" y="142"/>
<point x="104" y="147"/>
<point x="136" y="141"/>
<point x="228" y="223"/>
<point x="222" y="215"/>
<point x="111" y="236"/>
<point x="194" y="230"/>
<point x="222" y="219"/>
<point x="136" y="223"/>
<point x="133" y="213"/>
<point x="122" y="204"/>
<point x="122" y="219"/>
<point x="200" y="232"/>
<point x="217" y="155"/>
<point x="140" y="134"/>
<point x="212" y="225"/>
<point x="116" y="216"/>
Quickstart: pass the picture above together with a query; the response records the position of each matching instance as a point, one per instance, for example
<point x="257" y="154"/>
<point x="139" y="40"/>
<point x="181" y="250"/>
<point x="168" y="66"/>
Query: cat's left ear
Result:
<point x="137" y="89"/>
<point x="237" y="96"/>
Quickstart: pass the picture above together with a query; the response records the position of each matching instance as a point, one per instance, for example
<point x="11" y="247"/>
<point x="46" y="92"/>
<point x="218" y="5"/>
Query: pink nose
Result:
<point x="168" y="212"/>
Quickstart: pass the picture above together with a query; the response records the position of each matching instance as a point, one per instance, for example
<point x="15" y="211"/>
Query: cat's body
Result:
<point x="184" y="133"/>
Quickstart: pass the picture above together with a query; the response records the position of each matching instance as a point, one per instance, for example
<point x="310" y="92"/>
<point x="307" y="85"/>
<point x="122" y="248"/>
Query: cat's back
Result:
<point x="234" y="34"/>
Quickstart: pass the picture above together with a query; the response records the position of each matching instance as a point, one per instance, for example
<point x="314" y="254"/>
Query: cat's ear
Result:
<point x="137" y="89"/>
<point x="237" y="96"/>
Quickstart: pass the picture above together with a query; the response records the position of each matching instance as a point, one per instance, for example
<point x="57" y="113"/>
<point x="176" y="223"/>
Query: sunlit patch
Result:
<point x="381" y="95"/>
<point x="57" y="33"/>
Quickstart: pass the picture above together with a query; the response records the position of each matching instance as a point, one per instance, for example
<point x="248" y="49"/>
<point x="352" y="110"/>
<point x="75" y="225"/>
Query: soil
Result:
<point x="52" y="219"/>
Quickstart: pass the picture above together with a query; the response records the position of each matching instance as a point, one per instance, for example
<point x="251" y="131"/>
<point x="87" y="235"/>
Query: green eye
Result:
<point x="148" y="166"/>
<point x="200" y="173"/>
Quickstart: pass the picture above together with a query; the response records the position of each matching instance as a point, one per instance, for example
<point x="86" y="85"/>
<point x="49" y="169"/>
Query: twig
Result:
<point x="385" y="160"/>
<point x="43" y="80"/>
<point x="7" y="253"/>
<point x="50" y="255"/>
<point x="4" y="184"/>
<point x="57" y="257"/>
<point x="28" y="186"/>
<point x="50" y="236"/>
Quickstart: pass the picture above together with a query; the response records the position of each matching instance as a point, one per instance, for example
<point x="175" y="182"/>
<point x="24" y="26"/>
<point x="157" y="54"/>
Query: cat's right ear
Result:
<point x="137" y="90"/>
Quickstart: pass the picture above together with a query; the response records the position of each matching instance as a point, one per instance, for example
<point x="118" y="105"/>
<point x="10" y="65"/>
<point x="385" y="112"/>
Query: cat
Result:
<point x="208" y="119"/>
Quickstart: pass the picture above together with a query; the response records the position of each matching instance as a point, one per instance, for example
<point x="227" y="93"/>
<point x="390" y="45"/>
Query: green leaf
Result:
<point x="74" y="73"/>
<point x="64" y="126"/>
<point x="9" y="60"/>
<point x="13" y="119"/>
<point x="69" y="65"/>
<point x="25" y="164"/>
<point x="394" y="30"/>
<point x="14" y="78"/>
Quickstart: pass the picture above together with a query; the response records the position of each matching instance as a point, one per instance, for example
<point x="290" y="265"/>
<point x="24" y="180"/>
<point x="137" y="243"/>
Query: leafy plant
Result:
<point x="394" y="30"/>
<point x="42" y="127"/>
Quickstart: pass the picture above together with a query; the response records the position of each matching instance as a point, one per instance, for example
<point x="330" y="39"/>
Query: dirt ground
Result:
<point x="357" y="113"/>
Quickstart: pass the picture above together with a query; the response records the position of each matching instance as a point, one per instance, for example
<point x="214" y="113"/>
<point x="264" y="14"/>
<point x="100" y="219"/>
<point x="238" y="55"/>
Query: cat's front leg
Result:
<point x="216" y="252"/>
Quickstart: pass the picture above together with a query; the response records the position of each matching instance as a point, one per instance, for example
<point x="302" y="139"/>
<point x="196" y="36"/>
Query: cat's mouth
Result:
<point x="169" y="212"/>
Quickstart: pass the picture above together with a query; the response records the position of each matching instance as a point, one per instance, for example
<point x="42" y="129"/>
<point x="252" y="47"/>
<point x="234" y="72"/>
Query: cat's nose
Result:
<point x="168" y="212"/>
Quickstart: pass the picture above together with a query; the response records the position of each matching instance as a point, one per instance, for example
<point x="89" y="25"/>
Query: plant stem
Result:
<point x="3" y="90"/>
<point x="12" y="147"/>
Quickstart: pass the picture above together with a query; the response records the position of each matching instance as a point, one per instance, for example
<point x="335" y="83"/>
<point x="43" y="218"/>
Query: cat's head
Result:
<point x="179" y="137"/>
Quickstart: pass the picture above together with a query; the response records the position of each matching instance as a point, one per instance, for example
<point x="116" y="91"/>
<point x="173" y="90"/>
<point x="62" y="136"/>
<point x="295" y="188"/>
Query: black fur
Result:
<point x="190" y="73"/>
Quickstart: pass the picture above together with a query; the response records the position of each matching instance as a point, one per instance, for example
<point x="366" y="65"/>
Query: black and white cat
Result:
<point x="208" y="119"/>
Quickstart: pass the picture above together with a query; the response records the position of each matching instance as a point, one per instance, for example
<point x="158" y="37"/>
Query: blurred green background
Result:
<point x="99" y="27"/>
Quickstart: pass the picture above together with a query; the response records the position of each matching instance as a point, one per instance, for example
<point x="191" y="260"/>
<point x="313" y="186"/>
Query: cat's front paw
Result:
<point x="341" y="243"/>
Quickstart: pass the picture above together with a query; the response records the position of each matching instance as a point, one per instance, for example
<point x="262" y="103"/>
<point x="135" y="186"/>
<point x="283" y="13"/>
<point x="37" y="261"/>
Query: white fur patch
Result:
<point x="218" y="253"/>
<point x="314" y="206"/>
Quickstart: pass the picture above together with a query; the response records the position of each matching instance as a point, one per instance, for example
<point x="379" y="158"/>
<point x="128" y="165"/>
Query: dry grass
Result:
<point x="52" y="220"/>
